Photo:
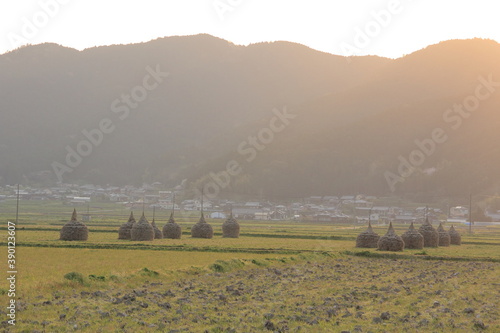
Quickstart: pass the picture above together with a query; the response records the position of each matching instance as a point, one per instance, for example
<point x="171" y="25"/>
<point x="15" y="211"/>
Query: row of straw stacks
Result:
<point x="75" y="230"/>
<point x="143" y="231"/>
<point x="425" y="236"/>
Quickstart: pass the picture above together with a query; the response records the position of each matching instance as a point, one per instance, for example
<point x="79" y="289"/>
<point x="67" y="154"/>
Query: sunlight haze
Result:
<point x="320" y="24"/>
<point x="250" y="166"/>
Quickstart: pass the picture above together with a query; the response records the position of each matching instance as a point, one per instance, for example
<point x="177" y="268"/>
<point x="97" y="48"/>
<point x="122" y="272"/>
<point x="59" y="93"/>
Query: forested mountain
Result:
<point x="352" y="121"/>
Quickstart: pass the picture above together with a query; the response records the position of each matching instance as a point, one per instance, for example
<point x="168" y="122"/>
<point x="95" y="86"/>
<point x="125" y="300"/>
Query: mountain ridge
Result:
<point x="216" y="95"/>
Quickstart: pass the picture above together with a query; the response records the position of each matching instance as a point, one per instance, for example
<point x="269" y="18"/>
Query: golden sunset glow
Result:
<point x="320" y="24"/>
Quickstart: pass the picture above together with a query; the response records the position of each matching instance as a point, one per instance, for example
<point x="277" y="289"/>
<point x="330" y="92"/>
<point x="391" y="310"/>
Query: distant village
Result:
<point x="318" y="209"/>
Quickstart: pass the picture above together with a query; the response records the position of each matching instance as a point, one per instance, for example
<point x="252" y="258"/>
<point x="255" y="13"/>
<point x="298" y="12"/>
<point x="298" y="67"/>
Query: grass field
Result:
<point x="278" y="276"/>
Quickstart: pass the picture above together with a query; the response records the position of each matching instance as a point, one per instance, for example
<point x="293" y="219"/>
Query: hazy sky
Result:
<point x="388" y="28"/>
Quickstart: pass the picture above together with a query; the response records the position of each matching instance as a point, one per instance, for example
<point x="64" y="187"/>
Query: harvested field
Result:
<point x="277" y="276"/>
<point x="310" y="293"/>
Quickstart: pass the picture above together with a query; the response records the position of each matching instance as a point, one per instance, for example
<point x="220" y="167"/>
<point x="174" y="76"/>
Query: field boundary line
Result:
<point x="164" y="248"/>
<point x="368" y="254"/>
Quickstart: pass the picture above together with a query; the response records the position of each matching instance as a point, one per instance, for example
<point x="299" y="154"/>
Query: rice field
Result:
<point x="53" y="263"/>
<point x="306" y="252"/>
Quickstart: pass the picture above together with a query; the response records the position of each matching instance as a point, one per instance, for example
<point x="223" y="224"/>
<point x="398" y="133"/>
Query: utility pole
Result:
<point x="470" y="213"/>
<point x="201" y="201"/>
<point x="17" y="205"/>
<point x="143" y="203"/>
<point x="173" y="203"/>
